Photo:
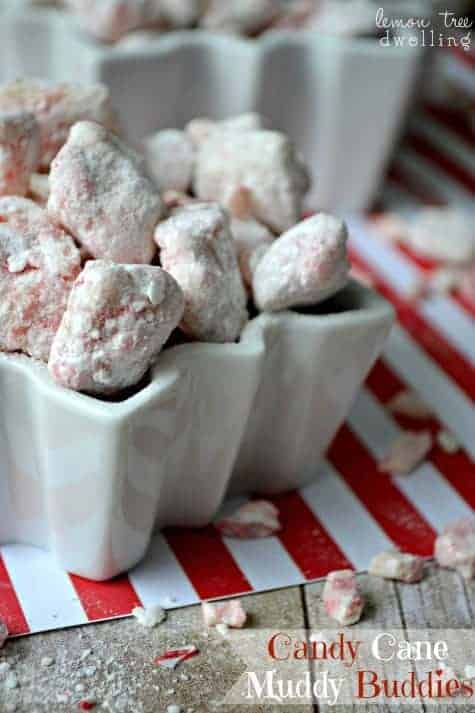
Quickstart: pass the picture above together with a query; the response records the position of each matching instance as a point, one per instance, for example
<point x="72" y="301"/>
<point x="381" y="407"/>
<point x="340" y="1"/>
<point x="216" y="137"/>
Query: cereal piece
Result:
<point x="170" y="159"/>
<point x="201" y="129"/>
<point x="265" y="163"/>
<point x="342" y="597"/>
<point x="117" y="320"/>
<point x="3" y="632"/>
<point x="397" y="565"/>
<point x="408" y="403"/>
<point x="245" y="17"/>
<point x="447" y="441"/>
<point x="196" y="247"/>
<point x="109" y="20"/>
<point x="19" y="152"/>
<point x="101" y="193"/>
<point x="56" y="107"/>
<point x="306" y="265"/>
<point x="252" y="240"/>
<point x="39" y="264"/>
<point x="406" y="452"/>
<point x="455" y="548"/>
<point x="231" y="613"/>
<point x="258" y="518"/>
<point x="180" y="13"/>
<point x="149" y="617"/>
<point x="445" y="234"/>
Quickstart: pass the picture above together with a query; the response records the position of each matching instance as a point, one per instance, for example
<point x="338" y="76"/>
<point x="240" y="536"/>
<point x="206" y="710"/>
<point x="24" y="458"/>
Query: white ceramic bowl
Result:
<point x="342" y="100"/>
<point x="91" y="480"/>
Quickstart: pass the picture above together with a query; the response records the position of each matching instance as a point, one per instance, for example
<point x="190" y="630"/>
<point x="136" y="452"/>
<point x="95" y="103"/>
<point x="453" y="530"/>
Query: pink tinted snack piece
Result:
<point x="408" y="403"/>
<point x="258" y="518"/>
<point x="56" y="107"/>
<point x="109" y="20"/>
<point x="100" y="191"/>
<point x="231" y="613"/>
<point x="180" y="13"/>
<point x="252" y="240"/>
<point x="455" y="548"/>
<point x="19" y="152"/>
<point x="342" y="597"/>
<point x="170" y="159"/>
<point x="306" y="265"/>
<point x="397" y="565"/>
<point x="117" y="320"/>
<point x="406" y="452"/>
<point x="38" y="266"/>
<point x="263" y="162"/>
<point x="201" y="128"/>
<point x="196" y="247"/>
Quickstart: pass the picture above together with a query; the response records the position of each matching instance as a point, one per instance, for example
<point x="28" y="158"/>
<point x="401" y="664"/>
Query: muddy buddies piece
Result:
<point x="170" y="159"/>
<point x="306" y="265"/>
<point x="406" y="452"/>
<point x="455" y="548"/>
<point x="230" y="613"/>
<point x="397" y="565"/>
<point x="109" y="20"/>
<point x="100" y="191"/>
<point x="56" y="107"/>
<point x="180" y="13"/>
<point x="446" y="234"/>
<point x="245" y="17"/>
<point x="117" y="320"/>
<point x="258" y="518"/>
<point x="196" y="247"/>
<point x="264" y="162"/>
<point x="342" y="597"/>
<point x="19" y="152"/>
<point x="39" y="264"/>
<point x="201" y="128"/>
<point x="252" y="240"/>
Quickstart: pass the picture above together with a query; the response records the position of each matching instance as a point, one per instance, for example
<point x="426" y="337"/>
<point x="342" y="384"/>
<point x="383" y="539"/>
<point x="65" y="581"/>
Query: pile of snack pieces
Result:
<point x="134" y="23"/>
<point x="105" y="252"/>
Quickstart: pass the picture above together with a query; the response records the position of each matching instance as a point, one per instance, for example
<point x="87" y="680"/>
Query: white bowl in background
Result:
<point x="90" y="480"/>
<point x="342" y="100"/>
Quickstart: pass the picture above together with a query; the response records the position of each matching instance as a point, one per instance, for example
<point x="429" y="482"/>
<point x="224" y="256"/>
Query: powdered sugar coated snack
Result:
<point x="196" y="247"/>
<point x="149" y="617"/>
<point x="306" y="265"/>
<point x="245" y="17"/>
<point x="252" y="240"/>
<point x="170" y="159"/>
<point x="200" y="129"/>
<point x="342" y="597"/>
<point x="406" y="452"/>
<point x="56" y="107"/>
<point x="258" y="518"/>
<point x="19" y="152"/>
<point x="102" y="194"/>
<point x="117" y="320"/>
<point x="109" y="20"/>
<point x="455" y="548"/>
<point x="265" y="163"/>
<point x="231" y="613"/>
<point x="446" y="234"/>
<point x="408" y="403"/>
<point x="397" y="565"/>
<point x="180" y="13"/>
<point x="39" y="264"/>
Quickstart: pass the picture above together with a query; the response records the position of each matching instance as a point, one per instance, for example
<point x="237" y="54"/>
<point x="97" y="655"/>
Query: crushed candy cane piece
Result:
<point x="19" y="152"/>
<point x="406" y="452"/>
<point x="401" y="566"/>
<point x="447" y="441"/>
<point x="455" y="548"/>
<point x="172" y="658"/>
<point x="342" y="597"/>
<point x="408" y="403"/>
<point x="3" y="632"/>
<point x="446" y="234"/>
<point x="38" y="265"/>
<point x="117" y="320"/>
<point x="306" y="265"/>
<point x="258" y="518"/>
<point x="149" y="617"/>
<point x="87" y="704"/>
<point x="196" y="247"/>
<point x="200" y="129"/>
<point x="170" y="159"/>
<point x="231" y="613"/>
<point x="102" y="194"/>
<point x="263" y="162"/>
<point x="57" y="106"/>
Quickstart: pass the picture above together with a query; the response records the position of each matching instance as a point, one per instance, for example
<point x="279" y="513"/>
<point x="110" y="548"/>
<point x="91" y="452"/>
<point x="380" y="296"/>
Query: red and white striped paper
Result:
<point x="351" y="511"/>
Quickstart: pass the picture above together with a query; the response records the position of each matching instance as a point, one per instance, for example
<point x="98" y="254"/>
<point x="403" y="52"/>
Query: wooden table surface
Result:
<point x="113" y="661"/>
